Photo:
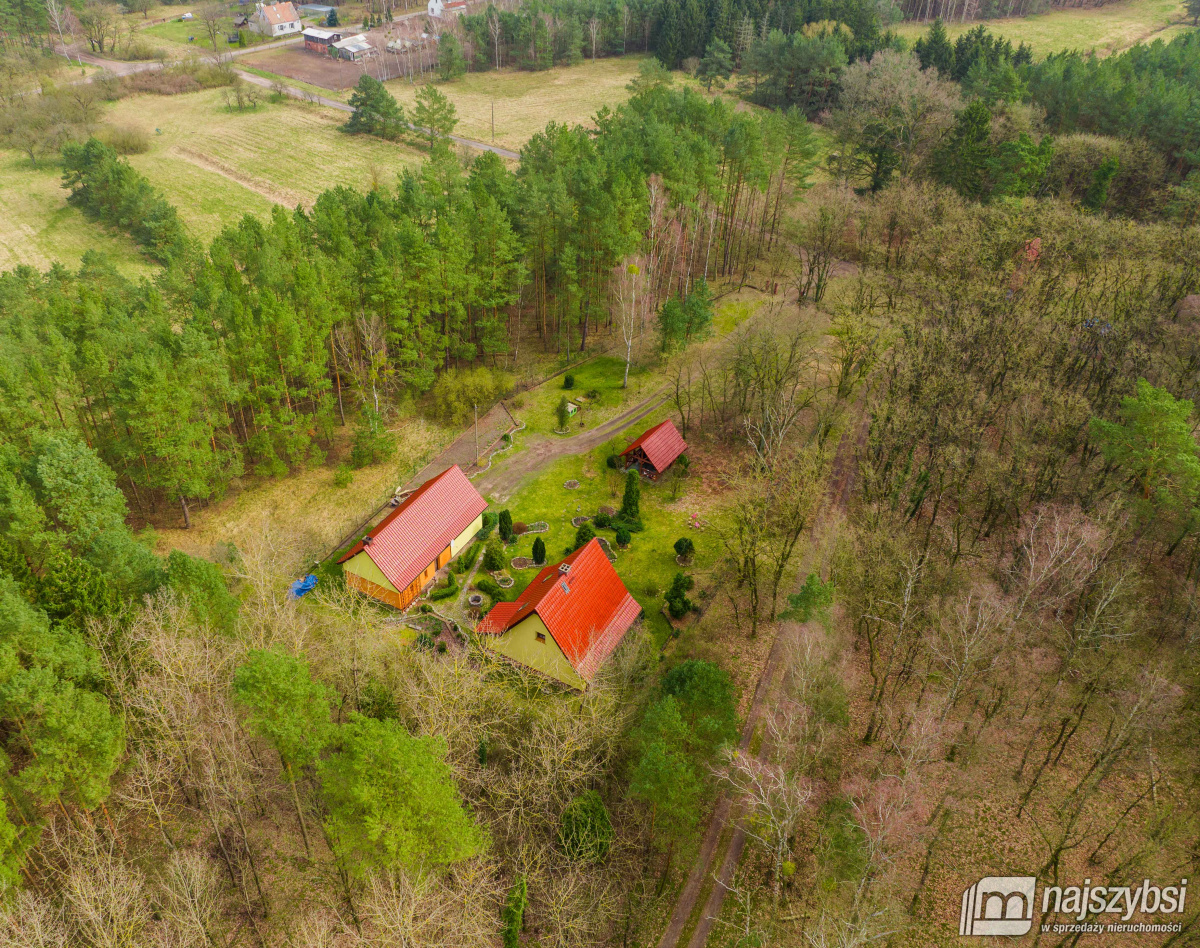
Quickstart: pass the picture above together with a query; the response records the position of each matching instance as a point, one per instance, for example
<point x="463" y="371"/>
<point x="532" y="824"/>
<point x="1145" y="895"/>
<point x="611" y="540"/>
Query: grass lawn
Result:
<point x="602" y="376"/>
<point x="648" y="566"/>
<point x="526" y="101"/>
<point x="39" y="228"/>
<point x="215" y="165"/>
<point x="175" y="32"/>
<point x="1107" y="29"/>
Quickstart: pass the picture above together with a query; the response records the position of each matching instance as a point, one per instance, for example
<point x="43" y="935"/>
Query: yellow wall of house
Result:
<point x="362" y="565"/>
<point x="520" y="643"/>
<point x="457" y="544"/>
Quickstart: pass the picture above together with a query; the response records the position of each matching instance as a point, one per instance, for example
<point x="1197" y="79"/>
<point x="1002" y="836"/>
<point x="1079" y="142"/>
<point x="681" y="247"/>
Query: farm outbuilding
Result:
<point x="353" y="48"/>
<point x="567" y="622"/>
<point x="656" y="449"/>
<point x="441" y="8"/>
<point x="318" y="40"/>
<point x="430" y="527"/>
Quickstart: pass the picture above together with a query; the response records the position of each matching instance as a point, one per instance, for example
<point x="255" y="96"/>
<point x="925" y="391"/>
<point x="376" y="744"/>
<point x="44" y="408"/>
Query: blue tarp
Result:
<point x="302" y="586"/>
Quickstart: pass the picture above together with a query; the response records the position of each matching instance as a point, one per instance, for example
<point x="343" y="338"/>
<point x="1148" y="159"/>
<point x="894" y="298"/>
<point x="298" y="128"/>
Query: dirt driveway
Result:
<point x="502" y="481"/>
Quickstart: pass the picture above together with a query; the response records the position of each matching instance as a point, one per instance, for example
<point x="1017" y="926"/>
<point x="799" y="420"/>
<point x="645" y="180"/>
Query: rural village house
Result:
<point x="656" y="449"/>
<point x="568" y="621"/>
<point x="440" y="8"/>
<point x="431" y="526"/>
<point x="275" y="19"/>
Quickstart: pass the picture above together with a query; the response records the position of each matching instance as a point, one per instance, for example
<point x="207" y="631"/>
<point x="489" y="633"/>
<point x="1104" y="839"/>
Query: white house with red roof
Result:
<point x="430" y="527"/>
<point x="275" y="19"/>
<point x="656" y="449"/>
<point x="567" y="622"/>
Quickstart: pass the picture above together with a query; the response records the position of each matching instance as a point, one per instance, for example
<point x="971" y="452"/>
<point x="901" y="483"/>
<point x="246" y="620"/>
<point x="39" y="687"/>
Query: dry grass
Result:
<point x="39" y="228"/>
<point x="215" y="165"/>
<point x="306" y="508"/>
<point x="1107" y="29"/>
<point x="526" y="101"/>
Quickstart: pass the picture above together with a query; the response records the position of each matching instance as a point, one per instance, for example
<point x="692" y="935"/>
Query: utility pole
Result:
<point x="476" y="435"/>
<point x="493" y="121"/>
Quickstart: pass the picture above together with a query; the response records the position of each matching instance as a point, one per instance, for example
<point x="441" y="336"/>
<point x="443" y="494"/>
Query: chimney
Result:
<point x="564" y="568"/>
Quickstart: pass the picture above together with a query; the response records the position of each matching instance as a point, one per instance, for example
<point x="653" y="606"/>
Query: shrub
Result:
<point x="539" y="551"/>
<point x="519" y="528"/>
<point x="517" y="402"/>
<point x="586" y="833"/>
<point x="343" y="476"/>
<point x="684" y="546"/>
<point x="125" y="140"/>
<point x="489" y="524"/>
<point x="623" y="536"/>
<point x="467" y="560"/>
<point x="584" y="535"/>
<point x="505" y="524"/>
<point x="678" y="604"/>
<point x="602" y="520"/>
<point x="446" y="591"/>
<point x="441" y="647"/>
<point x="613" y="461"/>
<point x="513" y="915"/>
<point x="493" y="556"/>
<point x="490" y="587"/>
<point x="456" y="393"/>
<point x="813" y="597"/>
<point x="372" y="443"/>
<point x="568" y="381"/>
<point x="423" y="640"/>
<point x="631" y="502"/>
<point x="562" y="413"/>
<point x="593" y="393"/>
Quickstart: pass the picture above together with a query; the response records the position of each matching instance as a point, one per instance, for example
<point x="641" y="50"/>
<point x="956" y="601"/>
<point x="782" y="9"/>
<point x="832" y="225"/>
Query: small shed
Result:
<point x="656" y="449"/>
<point x="353" y="48"/>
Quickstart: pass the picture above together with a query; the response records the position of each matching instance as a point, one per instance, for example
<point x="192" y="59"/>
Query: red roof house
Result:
<point x="568" y="621"/>
<point x="656" y="449"/>
<point x="431" y="525"/>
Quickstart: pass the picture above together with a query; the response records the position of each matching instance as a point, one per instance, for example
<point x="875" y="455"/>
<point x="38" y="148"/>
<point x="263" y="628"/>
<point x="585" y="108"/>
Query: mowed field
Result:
<point x="1107" y="29"/>
<point x="526" y="101"/>
<point x="39" y="228"/>
<point x="215" y="165"/>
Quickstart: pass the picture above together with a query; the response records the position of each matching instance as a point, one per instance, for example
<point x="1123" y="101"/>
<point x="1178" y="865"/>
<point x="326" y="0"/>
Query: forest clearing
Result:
<point x="757" y="507"/>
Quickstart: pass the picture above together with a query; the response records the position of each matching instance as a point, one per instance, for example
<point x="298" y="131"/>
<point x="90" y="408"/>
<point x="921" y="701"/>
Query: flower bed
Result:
<point x="522" y="562"/>
<point x="539" y="526"/>
<point x="608" y="550"/>
<point x="571" y="485"/>
<point x="505" y="582"/>
<point x="608" y="511"/>
<point x="579" y="521"/>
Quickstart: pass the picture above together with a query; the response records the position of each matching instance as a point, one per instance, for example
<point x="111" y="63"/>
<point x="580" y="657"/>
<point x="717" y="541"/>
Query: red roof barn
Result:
<point x="656" y="449"/>
<point x="399" y="557"/>
<point x="568" y="621"/>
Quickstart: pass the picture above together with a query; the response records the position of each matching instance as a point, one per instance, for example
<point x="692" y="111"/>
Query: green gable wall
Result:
<point x="521" y="645"/>
<point x="362" y="565"/>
